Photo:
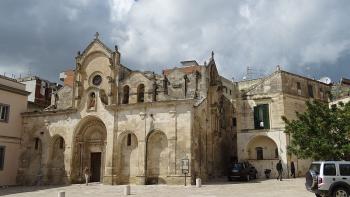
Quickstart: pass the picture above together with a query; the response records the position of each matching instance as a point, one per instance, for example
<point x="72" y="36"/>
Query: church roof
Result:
<point x="96" y="41"/>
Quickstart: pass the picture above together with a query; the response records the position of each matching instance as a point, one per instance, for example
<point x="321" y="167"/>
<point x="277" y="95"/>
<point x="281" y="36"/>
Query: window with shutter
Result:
<point x="256" y="117"/>
<point x="4" y="112"/>
<point x="299" y="88"/>
<point x="261" y="116"/>
<point x="266" y="117"/>
<point x="310" y="91"/>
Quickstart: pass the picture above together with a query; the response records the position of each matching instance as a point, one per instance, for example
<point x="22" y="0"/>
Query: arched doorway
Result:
<point x="89" y="149"/>
<point x="57" y="173"/>
<point x="157" y="158"/>
<point x="128" y="154"/>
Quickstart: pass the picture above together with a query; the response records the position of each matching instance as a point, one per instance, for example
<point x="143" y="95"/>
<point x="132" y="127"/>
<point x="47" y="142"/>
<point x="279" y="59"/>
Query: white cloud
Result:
<point x="261" y="33"/>
<point x="120" y="8"/>
<point x="154" y="34"/>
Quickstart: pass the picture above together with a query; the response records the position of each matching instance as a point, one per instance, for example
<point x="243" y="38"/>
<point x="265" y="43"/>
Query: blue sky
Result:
<point x="311" y="37"/>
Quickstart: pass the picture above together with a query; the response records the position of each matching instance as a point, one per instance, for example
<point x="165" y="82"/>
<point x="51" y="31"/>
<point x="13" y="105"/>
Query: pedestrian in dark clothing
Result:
<point x="292" y="169"/>
<point x="279" y="169"/>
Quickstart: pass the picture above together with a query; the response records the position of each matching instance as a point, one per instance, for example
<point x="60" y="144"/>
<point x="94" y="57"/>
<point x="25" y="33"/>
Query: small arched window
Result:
<point x="61" y="143"/>
<point x="141" y="93"/>
<point x="37" y="143"/>
<point x="128" y="143"/>
<point x="125" y="95"/>
<point x="165" y="85"/>
<point x="92" y="100"/>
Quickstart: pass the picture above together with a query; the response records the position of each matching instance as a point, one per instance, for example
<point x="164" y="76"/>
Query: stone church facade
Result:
<point x="130" y="126"/>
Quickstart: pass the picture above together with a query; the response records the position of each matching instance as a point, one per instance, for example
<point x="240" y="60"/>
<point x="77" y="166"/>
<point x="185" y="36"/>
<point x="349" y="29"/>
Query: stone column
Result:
<point x="142" y="163"/>
<point x="172" y="139"/>
<point x="108" y="154"/>
<point x="172" y="155"/>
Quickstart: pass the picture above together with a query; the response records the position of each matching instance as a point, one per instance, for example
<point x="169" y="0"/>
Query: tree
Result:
<point x="321" y="132"/>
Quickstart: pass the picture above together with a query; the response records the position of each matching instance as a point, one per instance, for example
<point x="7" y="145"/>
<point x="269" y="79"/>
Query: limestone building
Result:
<point x="260" y="105"/>
<point x="130" y="126"/>
<point x="13" y="102"/>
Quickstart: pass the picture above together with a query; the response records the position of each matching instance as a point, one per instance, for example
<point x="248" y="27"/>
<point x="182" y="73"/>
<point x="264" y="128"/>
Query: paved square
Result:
<point x="261" y="188"/>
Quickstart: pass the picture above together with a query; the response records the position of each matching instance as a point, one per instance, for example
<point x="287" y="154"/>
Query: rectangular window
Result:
<point x="344" y="169"/>
<point x="329" y="170"/>
<point x="276" y="152"/>
<point x="4" y="112"/>
<point x="261" y="116"/>
<point x="259" y="153"/>
<point x="310" y="91"/>
<point x="315" y="167"/>
<point x="2" y="157"/>
<point x="299" y="88"/>
<point x="321" y="94"/>
<point x="234" y="122"/>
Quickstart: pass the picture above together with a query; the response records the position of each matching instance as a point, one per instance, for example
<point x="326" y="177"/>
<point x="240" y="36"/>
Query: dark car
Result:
<point x="242" y="170"/>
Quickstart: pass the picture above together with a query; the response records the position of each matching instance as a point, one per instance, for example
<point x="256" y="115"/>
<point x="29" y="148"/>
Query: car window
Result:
<point x="237" y="166"/>
<point x="315" y="167"/>
<point x="329" y="169"/>
<point x="344" y="169"/>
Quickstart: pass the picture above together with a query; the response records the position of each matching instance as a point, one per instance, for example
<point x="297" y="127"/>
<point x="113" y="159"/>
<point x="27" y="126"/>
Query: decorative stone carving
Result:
<point x="92" y="101"/>
<point x="142" y="115"/>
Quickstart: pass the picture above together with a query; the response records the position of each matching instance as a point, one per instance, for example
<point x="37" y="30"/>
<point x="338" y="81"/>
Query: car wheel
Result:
<point x="254" y="177"/>
<point x="247" y="178"/>
<point x="340" y="192"/>
<point x="311" y="179"/>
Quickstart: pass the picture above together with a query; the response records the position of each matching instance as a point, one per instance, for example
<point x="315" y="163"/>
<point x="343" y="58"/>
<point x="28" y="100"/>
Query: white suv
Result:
<point x="329" y="178"/>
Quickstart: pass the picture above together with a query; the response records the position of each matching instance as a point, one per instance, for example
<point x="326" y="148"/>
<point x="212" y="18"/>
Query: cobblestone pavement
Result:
<point x="263" y="188"/>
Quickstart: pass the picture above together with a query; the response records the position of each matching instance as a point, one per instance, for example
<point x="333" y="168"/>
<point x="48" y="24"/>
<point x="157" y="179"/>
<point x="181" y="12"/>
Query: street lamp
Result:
<point x="185" y="167"/>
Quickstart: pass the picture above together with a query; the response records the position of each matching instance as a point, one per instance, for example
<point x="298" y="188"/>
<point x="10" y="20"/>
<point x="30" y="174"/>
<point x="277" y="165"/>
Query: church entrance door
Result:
<point x="95" y="167"/>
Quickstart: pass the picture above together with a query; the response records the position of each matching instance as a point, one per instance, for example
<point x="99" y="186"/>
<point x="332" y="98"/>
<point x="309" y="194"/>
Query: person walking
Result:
<point x="292" y="169"/>
<point x="279" y="169"/>
<point x="86" y="174"/>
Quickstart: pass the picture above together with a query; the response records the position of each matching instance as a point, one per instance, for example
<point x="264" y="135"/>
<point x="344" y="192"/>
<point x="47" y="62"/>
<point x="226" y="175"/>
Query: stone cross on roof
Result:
<point x="97" y="35"/>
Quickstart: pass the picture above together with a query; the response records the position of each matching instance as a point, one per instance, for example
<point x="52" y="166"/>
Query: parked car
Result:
<point x="329" y="178"/>
<point x="242" y="170"/>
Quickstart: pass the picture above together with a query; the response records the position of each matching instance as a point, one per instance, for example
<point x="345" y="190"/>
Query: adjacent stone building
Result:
<point x="40" y="92"/>
<point x="130" y="126"/>
<point x="260" y="105"/>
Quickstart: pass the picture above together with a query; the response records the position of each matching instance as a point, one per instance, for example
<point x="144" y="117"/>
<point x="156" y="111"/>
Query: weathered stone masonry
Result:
<point x="130" y="126"/>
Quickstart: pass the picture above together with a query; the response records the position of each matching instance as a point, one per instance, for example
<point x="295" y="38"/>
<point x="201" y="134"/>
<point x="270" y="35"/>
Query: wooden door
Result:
<point x="95" y="167"/>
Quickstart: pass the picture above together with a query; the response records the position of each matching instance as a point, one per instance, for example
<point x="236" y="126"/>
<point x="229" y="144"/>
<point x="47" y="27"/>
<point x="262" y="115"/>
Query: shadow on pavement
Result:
<point x="23" y="189"/>
<point x="254" y="181"/>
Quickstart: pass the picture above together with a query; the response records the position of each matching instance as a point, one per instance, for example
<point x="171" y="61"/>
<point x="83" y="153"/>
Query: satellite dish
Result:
<point x="325" y="80"/>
